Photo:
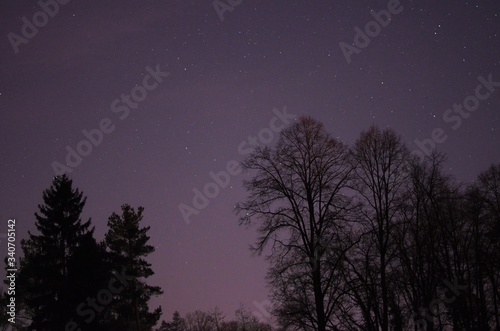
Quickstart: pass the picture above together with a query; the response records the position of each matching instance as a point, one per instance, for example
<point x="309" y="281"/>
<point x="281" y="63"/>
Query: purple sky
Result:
<point x="225" y="79"/>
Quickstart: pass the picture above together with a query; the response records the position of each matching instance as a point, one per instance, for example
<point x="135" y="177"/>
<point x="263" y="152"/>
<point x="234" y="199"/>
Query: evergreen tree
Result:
<point x="60" y="266"/>
<point x="177" y="323"/>
<point x="127" y="245"/>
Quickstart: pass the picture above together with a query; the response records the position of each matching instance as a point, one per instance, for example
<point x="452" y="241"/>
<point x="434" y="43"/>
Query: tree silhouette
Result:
<point x="370" y="238"/>
<point x="379" y="159"/>
<point x="177" y="323"/>
<point x="127" y="245"/>
<point x="198" y="321"/>
<point x="61" y="263"/>
<point x="217" y="317"/>
<point x="298" y="197"/>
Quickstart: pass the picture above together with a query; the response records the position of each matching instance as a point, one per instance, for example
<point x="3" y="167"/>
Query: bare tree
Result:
<point x="417" y="238"/>
<point x="484" y="211"/>
<point x="370" y="238"/>
<point x="198" y="321"/>
<point x="298" y="199"/>
<point x="217" y="318"/>
<point x="380" y="161"/>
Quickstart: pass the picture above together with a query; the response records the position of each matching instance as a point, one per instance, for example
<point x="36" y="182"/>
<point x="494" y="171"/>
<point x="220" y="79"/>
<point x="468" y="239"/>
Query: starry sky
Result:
<point x="223" y="73"/>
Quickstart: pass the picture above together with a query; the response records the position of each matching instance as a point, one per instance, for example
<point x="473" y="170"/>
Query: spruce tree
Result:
<point x="177" y="323"/>
<point x="127" y="246"/>
<point x="61" y="264"/>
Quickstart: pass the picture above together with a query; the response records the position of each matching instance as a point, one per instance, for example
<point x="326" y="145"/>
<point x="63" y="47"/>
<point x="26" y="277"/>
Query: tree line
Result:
<point x="363" y="237"/>
<point x="371" y="237"/>
<point x="215" y="320"/>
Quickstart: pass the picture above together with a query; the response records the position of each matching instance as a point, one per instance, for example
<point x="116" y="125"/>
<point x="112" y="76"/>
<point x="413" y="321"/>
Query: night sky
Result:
<point x="221" y="82"/>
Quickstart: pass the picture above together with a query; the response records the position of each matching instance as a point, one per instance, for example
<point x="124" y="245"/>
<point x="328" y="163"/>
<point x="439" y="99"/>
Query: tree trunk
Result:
<point x="318" y="297"/>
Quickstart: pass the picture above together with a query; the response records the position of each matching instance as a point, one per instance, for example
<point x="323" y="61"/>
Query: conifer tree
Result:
<point x="177" y="323"/>
<point x="61" y="264"/>
<point x="126" y="242"/>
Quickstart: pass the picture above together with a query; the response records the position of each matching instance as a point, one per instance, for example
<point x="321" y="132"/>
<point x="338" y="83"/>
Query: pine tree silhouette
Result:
<point x="62" y="264"/>
<point x="127" y="245"/>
